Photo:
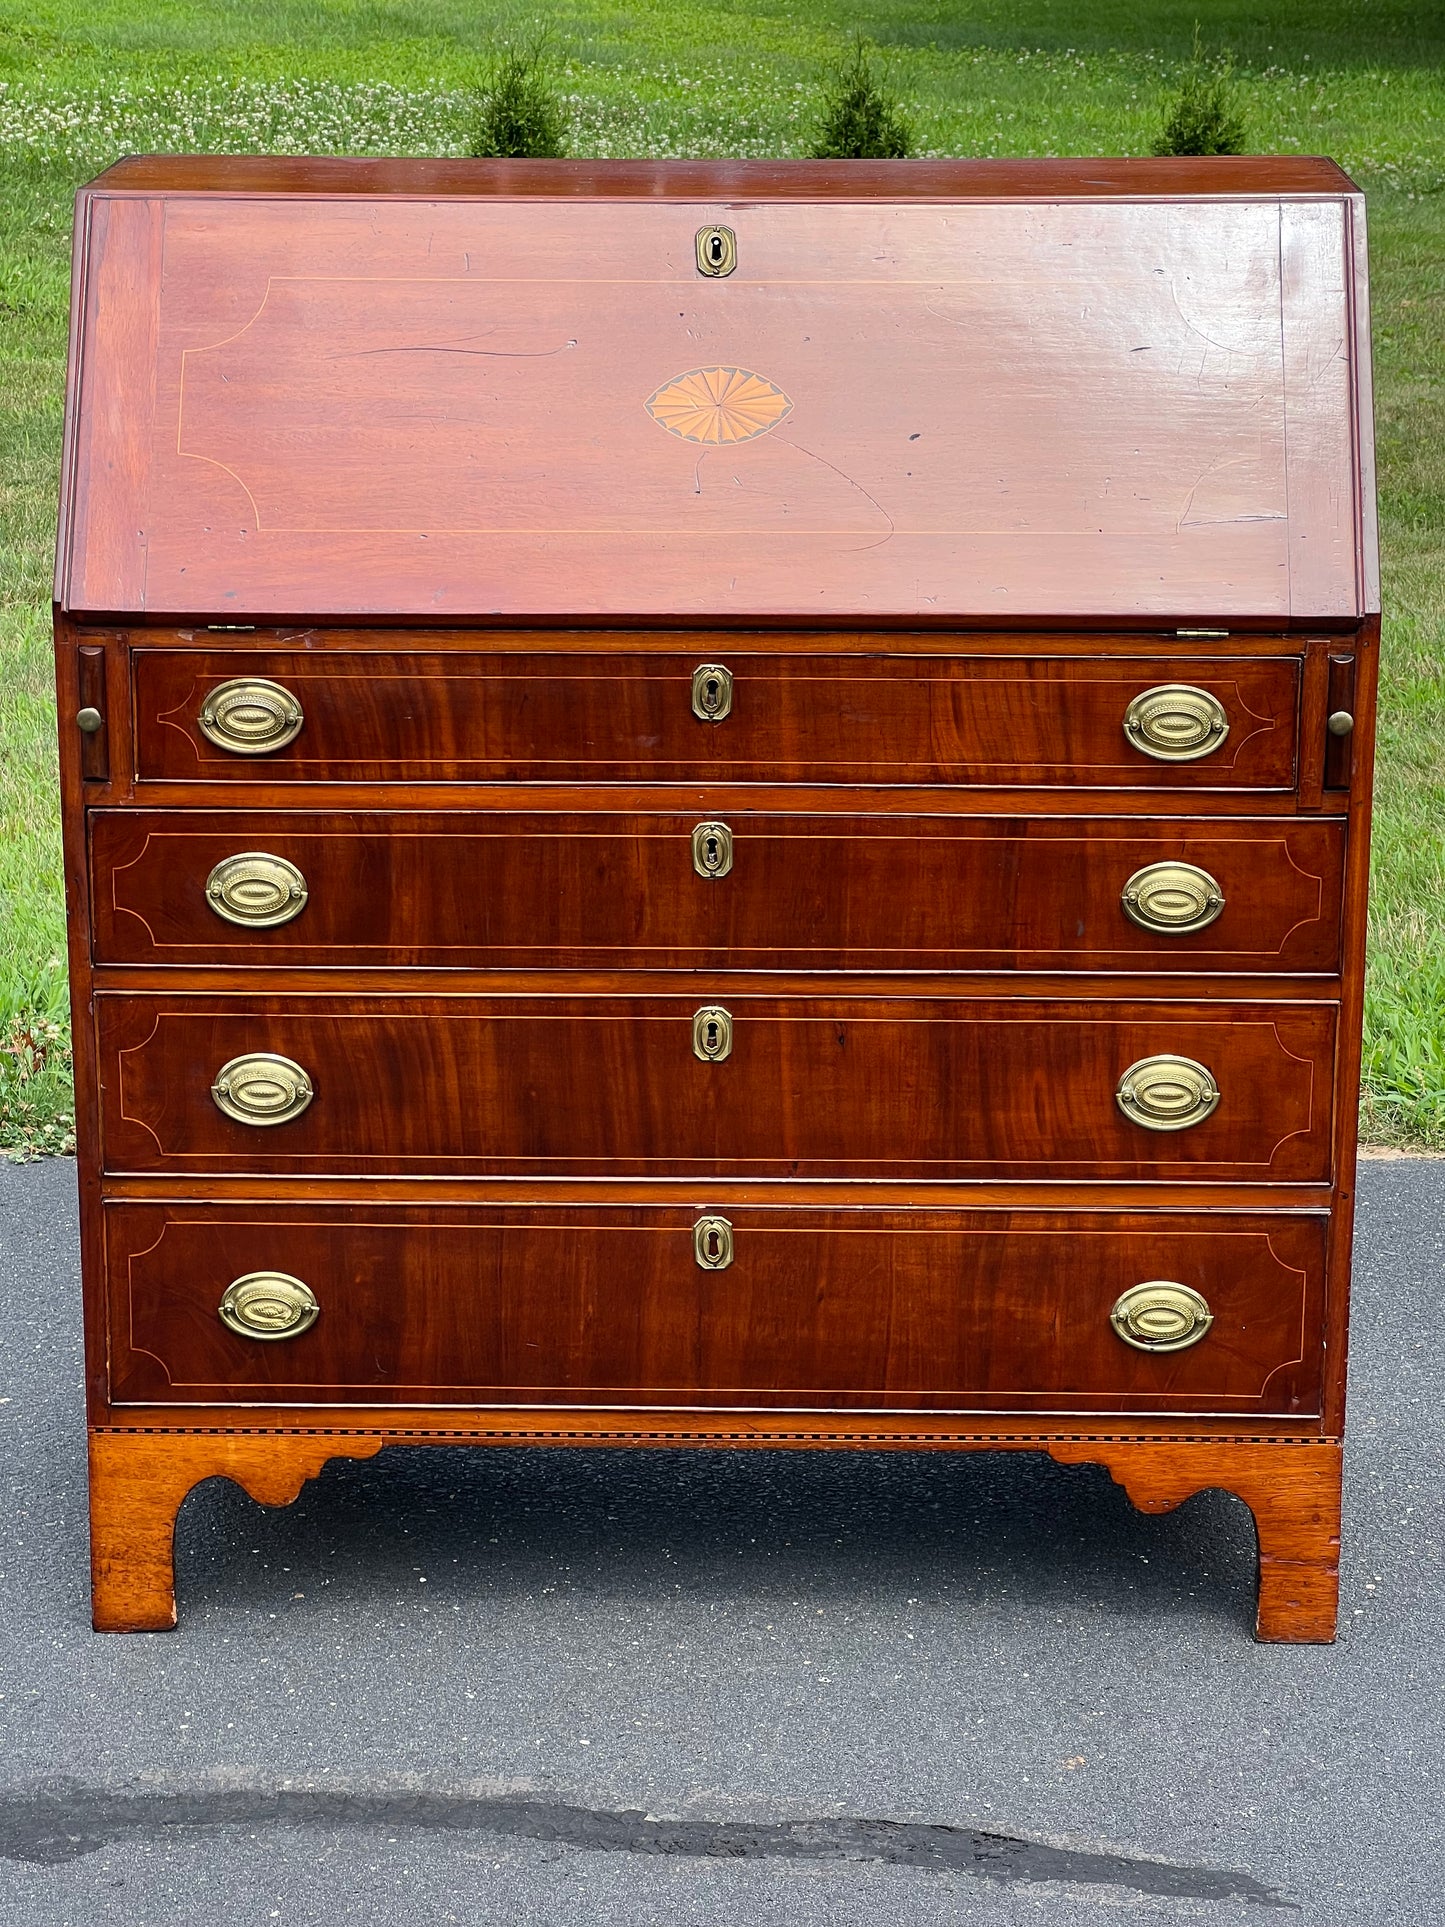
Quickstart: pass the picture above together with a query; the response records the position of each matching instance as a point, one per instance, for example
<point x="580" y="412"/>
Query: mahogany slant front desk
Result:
<point x="718" y="805"/>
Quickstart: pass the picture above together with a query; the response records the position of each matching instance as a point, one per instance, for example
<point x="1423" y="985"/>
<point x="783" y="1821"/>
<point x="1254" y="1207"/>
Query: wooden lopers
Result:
<point x="762" y="858"/>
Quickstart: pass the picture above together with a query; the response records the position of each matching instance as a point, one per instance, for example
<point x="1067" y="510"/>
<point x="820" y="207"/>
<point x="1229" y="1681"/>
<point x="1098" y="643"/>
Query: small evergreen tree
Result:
<point x="1203" y="117"/>
<point x="861" y="118"/>
<point x="519" y="115"/>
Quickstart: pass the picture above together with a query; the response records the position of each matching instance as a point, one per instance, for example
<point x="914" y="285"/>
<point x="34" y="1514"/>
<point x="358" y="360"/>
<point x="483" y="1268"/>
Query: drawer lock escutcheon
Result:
<point x="1176" y="722"/>
<point x="262" y="1088"/>
<point x="1172" y="897"/>
<point x="251" y="717"/>
<point x="712" y="849"/>
<point x="712" y="692"/>
<point x="712" y="1034"/>
<point x="1161" y="1316"/>
<point x="1167" y="1093"/>
<point x="717" y="251"/>
<point x="268" y="1304"/>
<point x="256" y="889"/>
<point x="712" y="1243"/>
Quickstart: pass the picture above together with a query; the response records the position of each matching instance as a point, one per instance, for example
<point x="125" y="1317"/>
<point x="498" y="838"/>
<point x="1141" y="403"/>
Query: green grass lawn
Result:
<point x="82" y="81"/>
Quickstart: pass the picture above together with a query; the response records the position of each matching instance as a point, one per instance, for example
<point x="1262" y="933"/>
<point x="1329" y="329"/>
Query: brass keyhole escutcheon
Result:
<point x="712" y="849"/>
<point x="250" y="716"/>
<point x="1173" y="898"/>
<point x="712" y="1034"/>
<point x="262" y="1088"/>
<point x="717" y="251"/>
<point x="712" y="692"/>
<point x="712" y="1243"/>
<point x="268" y="1305"/>
<point x="1161" y="1316"/>
<point x="256" y="889"/>
<point x="1167" y="1093"/>
<point x="1176" y="722"/>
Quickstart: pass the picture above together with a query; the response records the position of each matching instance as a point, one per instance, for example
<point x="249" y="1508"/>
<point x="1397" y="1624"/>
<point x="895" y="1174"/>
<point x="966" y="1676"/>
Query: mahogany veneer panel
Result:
<point x="602" y="890"/>
<point x="818" y="1087"/>
<point x="616" y="717"/>
<point x="893" y="1310"/>
<point x="327" y="404"/>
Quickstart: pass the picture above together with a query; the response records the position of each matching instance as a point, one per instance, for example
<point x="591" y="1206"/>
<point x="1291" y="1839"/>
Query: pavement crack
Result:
<point x="52" y="1825"/>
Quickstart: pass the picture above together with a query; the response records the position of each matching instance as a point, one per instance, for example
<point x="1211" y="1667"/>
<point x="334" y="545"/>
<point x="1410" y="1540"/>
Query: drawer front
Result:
<point x="931" y="1310"/>
<point x="605" y="891"/>
<point x="364" y="717"/>
<point x="614" y="1085"/>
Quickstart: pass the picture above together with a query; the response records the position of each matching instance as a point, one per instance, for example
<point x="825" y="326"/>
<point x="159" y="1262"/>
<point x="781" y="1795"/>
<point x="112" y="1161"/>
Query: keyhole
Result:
<point x="712" y="1243"/>
<point x="712" y="850"/>
<point x="712" y="692"/>
<point x="715" y="249"/>
<point x="712" y="1034"/>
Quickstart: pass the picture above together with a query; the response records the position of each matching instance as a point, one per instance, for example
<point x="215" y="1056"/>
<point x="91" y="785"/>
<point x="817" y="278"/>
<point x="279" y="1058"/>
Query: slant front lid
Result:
<point x="295" y="403"/>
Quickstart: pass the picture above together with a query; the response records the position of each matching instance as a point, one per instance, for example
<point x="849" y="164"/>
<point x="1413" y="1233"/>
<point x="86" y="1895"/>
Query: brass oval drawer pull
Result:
<point x="712" y="849"/>
<point x="251" y="717"/>
<point x="712" y="1243"/>
<point x="256" y="889"/>
<point x="712" y="1034"/>
<point x="712" y="692"/>
<point x="262" y="1088"/>
<point x="1176" y="722"/>
<point x="1172" y="897"/>
<point x="1167" y="1093"/>
<point x="268" y="1304"/>
<point x="1161" y="1316"/>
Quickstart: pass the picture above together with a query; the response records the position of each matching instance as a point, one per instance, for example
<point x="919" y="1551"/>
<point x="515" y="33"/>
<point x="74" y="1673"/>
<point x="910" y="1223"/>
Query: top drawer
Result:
<point x="344" y="716"/>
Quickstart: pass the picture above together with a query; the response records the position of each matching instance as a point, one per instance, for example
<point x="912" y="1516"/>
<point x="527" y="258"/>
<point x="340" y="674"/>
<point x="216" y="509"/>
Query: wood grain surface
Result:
<point x="618" y="717"/>
<point x="821" y="1087"/>
<point x="139" y="1479"/>
<point x="329" y="406"/>
<point x="602" y="889"/>
<point x="842" y="1310"/>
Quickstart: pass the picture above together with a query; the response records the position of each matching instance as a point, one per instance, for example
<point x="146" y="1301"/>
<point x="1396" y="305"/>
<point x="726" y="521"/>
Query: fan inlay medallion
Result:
<point x="714" y="405"/>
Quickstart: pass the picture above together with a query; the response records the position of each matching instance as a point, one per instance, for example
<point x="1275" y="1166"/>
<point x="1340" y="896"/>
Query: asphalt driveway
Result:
<point x="688" y="1689"/>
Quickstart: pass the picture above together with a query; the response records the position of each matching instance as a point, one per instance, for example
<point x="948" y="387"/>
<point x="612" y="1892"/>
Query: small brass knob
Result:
<point x="1172" y="897"/>
<point x="712" y="1034"/>
<point x="1161" y="1316"/>
<point x="712" y="1243"/>
<point x="89" y="720"/>
<point x="1341" y="723"/>
<point x="268" y="1304"/>
<point x="1176" y="722"/>
<point x="1167" y="1093"/>
<point x="712" y="692"/>
<point x="262" y="1088"/>
<point x="712" y="849"/>
<point x="251" y="717"/>
<point x="256" y="889"/>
